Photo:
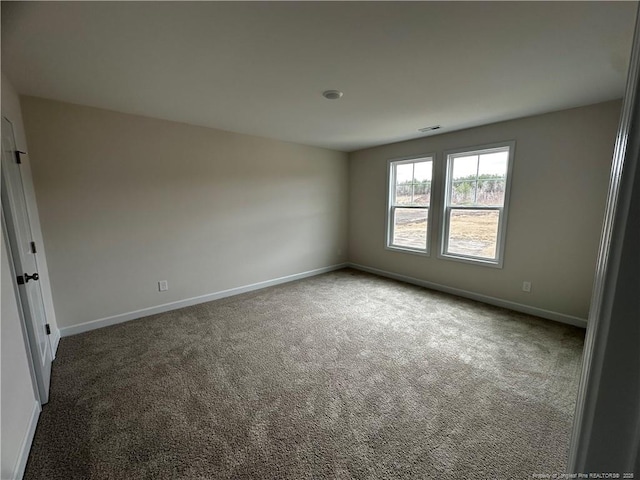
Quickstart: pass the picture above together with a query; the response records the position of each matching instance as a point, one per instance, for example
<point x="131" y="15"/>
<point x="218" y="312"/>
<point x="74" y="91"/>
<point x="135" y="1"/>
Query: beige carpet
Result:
<point x="344" y="375"/>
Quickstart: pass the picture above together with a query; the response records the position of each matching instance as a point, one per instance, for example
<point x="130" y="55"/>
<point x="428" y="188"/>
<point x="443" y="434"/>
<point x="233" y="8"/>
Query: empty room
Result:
<point x="365" y="240"/>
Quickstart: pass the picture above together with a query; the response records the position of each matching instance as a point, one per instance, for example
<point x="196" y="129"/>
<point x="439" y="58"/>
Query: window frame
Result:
<point x="390" y="215"/>
<point x="449" y="156"/>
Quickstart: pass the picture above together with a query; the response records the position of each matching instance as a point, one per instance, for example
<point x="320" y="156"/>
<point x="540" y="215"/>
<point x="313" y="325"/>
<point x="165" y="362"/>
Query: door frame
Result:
<point x="41" y="377"/>
<point x="605" y="326"/>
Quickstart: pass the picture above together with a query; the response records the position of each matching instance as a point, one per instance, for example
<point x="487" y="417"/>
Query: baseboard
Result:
<point x="518" y="307"/>
<point x="25" y="447"/>
<point x="125" y="317"/>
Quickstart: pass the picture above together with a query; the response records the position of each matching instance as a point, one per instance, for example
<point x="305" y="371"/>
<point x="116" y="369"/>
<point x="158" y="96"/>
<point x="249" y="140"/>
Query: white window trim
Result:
<point x="388" y="242"/>
<point x="504" y="210"/>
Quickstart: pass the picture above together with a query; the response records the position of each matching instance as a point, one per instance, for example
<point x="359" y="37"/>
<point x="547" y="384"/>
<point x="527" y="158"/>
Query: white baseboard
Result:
<point x="125" y="317"/>
<point x="518" y="307"/>
<point x="25" y="447"/>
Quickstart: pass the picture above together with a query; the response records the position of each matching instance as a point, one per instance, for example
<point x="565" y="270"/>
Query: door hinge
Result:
<point x="47" y="329"/>
<point x="17" y="153"/>
<point x="20" y="279"/>
<point x="33" y="247"/>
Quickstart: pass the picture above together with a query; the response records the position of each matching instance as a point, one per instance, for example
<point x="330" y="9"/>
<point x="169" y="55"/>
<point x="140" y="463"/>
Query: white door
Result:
<point x="23" y="252"/>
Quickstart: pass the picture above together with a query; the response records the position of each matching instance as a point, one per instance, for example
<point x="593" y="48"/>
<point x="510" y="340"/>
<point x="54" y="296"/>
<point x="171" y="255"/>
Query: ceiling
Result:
<point x="260" y="67"/>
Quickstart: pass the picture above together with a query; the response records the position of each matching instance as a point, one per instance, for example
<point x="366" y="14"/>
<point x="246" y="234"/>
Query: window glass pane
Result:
<point x="422" y="183"/>
<point x="473" y="233"/>
<point x="492" y="178"/>
<point x="404" y="173"/>
<point x="494" y="164"/>
<point x="490" y="192"/>
<point x="403" y="194"/>
<point x="465" y="167"/>
<point x="410" y="227"/>
<point x="463" y="192"/>
<point x="422" y="172"/>
<point x="463" y="180"/>
<point x="413" y="183"/>
<point x="422" y="193"/>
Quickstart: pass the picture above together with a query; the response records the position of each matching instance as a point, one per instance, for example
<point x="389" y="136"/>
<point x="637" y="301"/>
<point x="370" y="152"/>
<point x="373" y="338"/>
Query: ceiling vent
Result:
<point x="429" y="129"/>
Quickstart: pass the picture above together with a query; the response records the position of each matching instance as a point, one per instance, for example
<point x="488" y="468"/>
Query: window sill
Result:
<point x="422" y="253"/>
<point x="472" y="260"/>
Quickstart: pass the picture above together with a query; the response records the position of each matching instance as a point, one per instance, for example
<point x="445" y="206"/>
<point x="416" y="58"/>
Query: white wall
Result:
<point x="19" y="407"/>
<point x="560" y="176"/>
<point x="126" y="201"/>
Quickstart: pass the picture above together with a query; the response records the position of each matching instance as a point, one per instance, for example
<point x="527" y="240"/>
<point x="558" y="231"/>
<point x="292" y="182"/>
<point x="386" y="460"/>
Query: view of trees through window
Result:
<point x="474" y="204"/>
<point x="410" y="203"/>
<point x="473" y="199"/>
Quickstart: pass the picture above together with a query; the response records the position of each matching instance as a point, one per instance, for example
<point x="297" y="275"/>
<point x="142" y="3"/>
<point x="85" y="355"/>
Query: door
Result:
<point x="24" y="256"/>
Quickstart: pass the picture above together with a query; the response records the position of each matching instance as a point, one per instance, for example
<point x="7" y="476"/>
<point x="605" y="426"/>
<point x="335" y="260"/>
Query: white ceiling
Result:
<point x="260" y="67"/>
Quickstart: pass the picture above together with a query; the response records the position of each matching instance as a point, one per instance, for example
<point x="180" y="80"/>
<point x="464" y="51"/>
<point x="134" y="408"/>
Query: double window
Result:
<point x="473" y="207"/>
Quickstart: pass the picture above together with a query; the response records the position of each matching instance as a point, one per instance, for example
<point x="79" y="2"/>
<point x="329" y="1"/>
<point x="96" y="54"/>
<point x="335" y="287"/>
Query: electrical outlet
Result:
<point x="526" y="287"/>
<point x="163" y="286"/>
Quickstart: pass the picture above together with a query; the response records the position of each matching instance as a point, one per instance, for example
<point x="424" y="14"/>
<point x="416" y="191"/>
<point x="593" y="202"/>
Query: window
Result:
<point x="409" y="203"/>
<point x="476" y="197"/>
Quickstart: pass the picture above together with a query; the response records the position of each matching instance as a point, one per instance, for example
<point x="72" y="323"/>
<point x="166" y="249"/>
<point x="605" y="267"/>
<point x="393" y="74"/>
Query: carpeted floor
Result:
<point x="344" y="375"/>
